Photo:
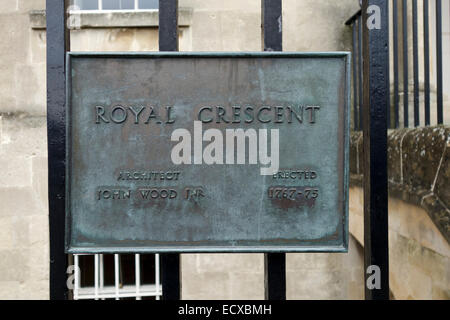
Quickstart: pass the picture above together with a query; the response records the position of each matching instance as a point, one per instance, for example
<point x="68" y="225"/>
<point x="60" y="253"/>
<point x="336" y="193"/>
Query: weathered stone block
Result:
<point x="9" y="6"/>
<point x="426" y="260"/>
<point x="247" y="286"/>
<point x="18" y="201"/>
<point x="6" y="235"/>
<point x="438" y="213"/>
<point x="23" y="136"/>
<point x="25" y="6"/>
<point x="442" y="185"/>
<point x="413" y="222"/>
<point x="147" y="40"/>
<point x="316" y="284"/>
<point x="15" y="171"/>
<point x="422" y="151"/>
<point x="7" y="88"/>
<point x="21" y="232"/>
<point x="206" y="286"/>
<point x="14" y="265"/>
<point x="39" y="231"/>
<point x="39" y="167"/>
<point x="34" y="290"/>
<point x="10" y="290"/>
<point x="440" y="293"/>
<point x="31" y="88"/>
<point x="313" y="261"/>
<point x="38" y="47"/>
<point x="115" y="19"/>
<point x="224" y="31"/>
<point x="15" y="39"/>
<point x="395" y="139"/>
<point x="324" y="32"/>
<point x="38" y="262"/>
<point x="249" y="263"/>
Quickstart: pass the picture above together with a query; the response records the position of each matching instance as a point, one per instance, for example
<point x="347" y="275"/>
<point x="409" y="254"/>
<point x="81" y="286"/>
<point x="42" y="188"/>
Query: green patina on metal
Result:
<point x="207" y="152"/>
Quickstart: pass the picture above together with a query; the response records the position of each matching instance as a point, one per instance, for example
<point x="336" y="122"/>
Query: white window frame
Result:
<point x="100" y="8"/>
<point x="101" y="292"/>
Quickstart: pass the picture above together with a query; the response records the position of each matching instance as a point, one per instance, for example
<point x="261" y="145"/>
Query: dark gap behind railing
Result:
<point x="421" y="111"/>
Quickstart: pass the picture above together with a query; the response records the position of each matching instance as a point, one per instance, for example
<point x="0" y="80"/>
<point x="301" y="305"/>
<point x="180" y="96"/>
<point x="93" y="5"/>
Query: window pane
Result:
<point x="148" y="4"/>
<point x="127" y="4"/>
<point x="87" y="4"/>
<point x="118" y="4"/>
<point x="111" y="4"/>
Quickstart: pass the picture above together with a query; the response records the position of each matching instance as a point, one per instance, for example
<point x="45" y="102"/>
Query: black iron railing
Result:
<point x="421" y="109"/>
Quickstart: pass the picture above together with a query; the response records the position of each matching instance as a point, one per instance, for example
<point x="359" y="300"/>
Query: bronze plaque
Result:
<point x="207" y="152"/>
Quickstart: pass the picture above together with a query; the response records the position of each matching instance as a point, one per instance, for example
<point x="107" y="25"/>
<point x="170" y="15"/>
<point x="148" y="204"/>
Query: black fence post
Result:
<point x="272" y="36"/>
<point x="416" y="63"/>
<point x="355" y="72"/>
<point x="57" y="46"/>
<point x="272" y="25"/>
<point x="395" y="50"/>
<point x="405" y="64"/>
<point x="168" y="25"/>
<point x="439" y="66"/>
<point x="168" y="41"/>
<point x="360" y="72"/>
<point x="426" y="60"/>
<point x="376" y="102"/>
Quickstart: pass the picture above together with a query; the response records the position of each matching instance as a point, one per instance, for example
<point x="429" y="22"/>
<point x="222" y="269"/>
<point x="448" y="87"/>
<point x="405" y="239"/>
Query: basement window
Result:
<point x="107" y="5"/>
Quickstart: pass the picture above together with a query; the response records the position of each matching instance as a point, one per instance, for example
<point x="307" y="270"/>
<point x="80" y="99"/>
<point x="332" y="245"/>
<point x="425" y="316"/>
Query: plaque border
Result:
<point x="342" y="157"/>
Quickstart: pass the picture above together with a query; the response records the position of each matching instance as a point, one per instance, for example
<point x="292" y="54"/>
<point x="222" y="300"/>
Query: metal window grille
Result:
<point x="105" y="5"/>
<point x="101" y="277"/>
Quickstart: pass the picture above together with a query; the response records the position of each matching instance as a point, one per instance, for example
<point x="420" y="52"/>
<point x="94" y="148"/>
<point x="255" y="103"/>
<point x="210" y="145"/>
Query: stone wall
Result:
<point x="419" y="218"/>
<point x="419" y="255"/>
<point x="23" y="155"/>
<point x="241" y="276"/>
<point x="418" y="169"/>
<point x="207" y="25"/>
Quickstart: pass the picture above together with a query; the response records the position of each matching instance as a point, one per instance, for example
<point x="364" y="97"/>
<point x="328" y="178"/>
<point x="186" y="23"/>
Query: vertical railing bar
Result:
<point x="439" y="82"/>
<point x="360" y="73"/>
<point x="389" y="106"/>
<point x="137" y="272"/>
<point x="272" y="40"/>
<point x="168" y="25"/>
<point x="416" y="65"/>
<point x="157" y="280"/>
<point x="405" y="63"/>
<point x="426" y="57"/>
<point x="96" y="276"/>
<point x="100" y="4"/>
<point x="77" y="277"/>
<point x="168" y="41"/>
<point x="58" y="43"/>
<point x="171" y="276"/>
<point x="396" y="67"/>
<point x="271" y="23"/>
<point x="101" y="274"/>
<point x="376" y="101"/>
<point x="355" y="79"/>
<point x="136" y="4"/>
<point x="116" y="275"/>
